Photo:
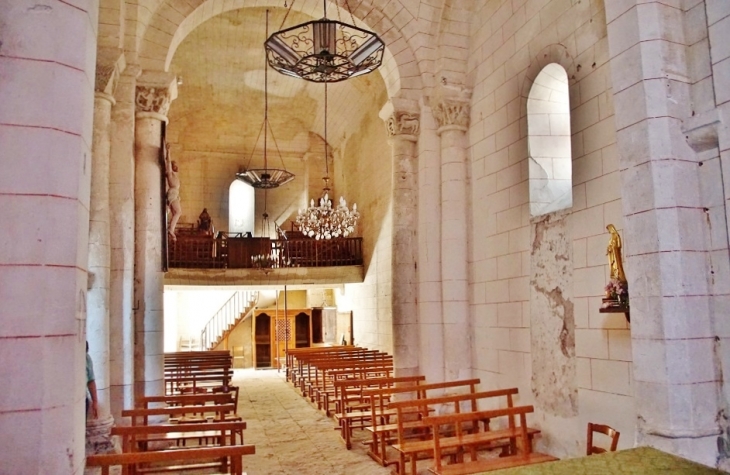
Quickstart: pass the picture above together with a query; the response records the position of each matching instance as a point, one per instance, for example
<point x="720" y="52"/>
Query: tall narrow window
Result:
<point x="548" y="127"/>
<point x="241" y="207"/>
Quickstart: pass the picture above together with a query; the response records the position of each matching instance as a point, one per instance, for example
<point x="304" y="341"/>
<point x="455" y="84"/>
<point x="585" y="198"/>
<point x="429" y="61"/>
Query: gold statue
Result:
<point x="613" y="251"/>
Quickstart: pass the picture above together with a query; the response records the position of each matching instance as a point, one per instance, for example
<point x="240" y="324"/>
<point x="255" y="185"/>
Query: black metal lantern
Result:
<point x="324" y="50"/>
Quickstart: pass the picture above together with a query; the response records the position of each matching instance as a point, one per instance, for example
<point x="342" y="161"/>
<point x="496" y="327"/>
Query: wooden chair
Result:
<point x="603" y="429"/>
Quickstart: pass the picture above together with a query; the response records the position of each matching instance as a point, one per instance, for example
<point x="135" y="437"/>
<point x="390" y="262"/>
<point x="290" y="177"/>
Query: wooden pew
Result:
<point x="324" y="391"/>
<point x="353" y="405"/>
<point x="295" y="358"/>
<point x="197" y="371"/>
<point x="381" y="411"/>
<point x="513" y="435"/>
<point x="184" y="457"/>
<point x="136" y="438"/>
<point x="303" y="359"/>
<point x="317" y="368"/>
<point x="196" y="413"/>
<point x="408" y="448"/>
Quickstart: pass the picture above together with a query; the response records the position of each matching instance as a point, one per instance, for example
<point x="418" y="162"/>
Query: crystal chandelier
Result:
<point x="266" y="178"/>
<point x="324" y="50"/>
<point x="323" y="221"/>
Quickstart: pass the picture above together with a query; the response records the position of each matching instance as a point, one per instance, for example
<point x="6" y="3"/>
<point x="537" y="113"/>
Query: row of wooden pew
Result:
<point x="412" y="418"/>
<point x="194" y="426"/>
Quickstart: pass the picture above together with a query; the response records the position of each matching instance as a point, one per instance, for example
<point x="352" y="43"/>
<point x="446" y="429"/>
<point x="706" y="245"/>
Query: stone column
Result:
<point x="430" y="309"/>
<point x="402" y="123"/>
<point x="154" y="94"/>
<point x="121" y="204"/>
<point x="45" y="150"/>
<point x="451" y="110"/>
<point x="97" y="298"/>
<point x="675" y="262"/>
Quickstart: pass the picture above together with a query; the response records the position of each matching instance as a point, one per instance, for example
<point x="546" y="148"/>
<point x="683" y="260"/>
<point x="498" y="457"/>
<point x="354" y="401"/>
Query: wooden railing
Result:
<point x="235" y="252"/>
<point x="235" y="309"/>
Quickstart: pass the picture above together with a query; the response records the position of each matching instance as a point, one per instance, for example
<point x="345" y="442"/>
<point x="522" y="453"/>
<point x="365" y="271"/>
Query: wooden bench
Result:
<point x="382" y="410"/>
<point x="136" y="438"/>
<point x="197" y="371"/>
<point x="295" y="358"/>
<point x="186" y="459"/>
<point x="204" y="399"/>
<point x="317" y="368"/>
<point x="298" y="358"/>
<point x="195" y="413"/>
<point x="353" y="405"/>
<point x="321" y="386"/>
<point x="410" y="449"/>
<point x="304" y="360"/>
<point x="513" y="435"/>
<point x="325" y="391"/>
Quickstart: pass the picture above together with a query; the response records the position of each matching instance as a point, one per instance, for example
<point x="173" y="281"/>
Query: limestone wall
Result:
<point x="367" y="170"/>
<point x="536" y="284"/>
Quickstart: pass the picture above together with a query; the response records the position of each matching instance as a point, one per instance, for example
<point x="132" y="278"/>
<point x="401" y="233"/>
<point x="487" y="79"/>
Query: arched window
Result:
<point x="548" y="128"/>
<point x="241" y="207"/>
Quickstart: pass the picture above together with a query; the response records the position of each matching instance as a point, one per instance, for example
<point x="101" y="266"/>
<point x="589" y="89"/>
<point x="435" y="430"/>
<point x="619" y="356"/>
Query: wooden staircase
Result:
<point x="235" y="310"/>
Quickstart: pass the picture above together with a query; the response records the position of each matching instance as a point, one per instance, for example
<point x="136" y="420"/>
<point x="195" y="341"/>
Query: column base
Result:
<point x="100" y="441"/>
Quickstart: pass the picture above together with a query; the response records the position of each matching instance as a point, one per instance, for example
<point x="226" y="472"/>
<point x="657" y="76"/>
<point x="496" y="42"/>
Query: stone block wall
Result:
<point x="366" y="163"/>
<point x="512" y="41"/>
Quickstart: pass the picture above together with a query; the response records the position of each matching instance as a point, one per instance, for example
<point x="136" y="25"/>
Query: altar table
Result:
<point x="641" y="460"/>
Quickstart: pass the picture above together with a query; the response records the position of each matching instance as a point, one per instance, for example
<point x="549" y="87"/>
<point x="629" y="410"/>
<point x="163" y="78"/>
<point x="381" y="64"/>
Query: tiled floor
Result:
<point x="291" y="435"/>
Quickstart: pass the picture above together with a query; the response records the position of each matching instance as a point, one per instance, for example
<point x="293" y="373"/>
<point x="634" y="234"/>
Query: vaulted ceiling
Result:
<point x="220" y="104"/>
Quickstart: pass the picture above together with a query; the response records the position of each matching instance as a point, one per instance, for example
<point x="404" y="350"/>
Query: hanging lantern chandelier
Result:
<point x="321" y="220"/>
<point x="324" y="50"/>
<point x="266" y="178"/>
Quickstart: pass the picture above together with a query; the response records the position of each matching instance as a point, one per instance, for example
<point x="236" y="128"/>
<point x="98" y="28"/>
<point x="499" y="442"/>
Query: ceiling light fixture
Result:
<point x="323" y="221"/>
<point x="324" y="50"/>
<point x="266" y="177"/>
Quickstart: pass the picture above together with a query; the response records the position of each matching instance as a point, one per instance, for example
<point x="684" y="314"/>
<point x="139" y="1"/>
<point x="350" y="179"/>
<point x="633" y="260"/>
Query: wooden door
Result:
<point x="262" y="341"/>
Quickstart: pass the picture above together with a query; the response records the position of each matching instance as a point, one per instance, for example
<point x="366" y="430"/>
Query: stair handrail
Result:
<point x="227" y="315"/>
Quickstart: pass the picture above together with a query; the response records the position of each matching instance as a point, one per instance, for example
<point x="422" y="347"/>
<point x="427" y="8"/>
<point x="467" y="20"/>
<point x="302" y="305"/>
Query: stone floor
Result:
<point x="291" y="435"/>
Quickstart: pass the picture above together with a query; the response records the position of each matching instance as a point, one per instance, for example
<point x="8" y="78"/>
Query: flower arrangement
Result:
<point x="618" y="290"/>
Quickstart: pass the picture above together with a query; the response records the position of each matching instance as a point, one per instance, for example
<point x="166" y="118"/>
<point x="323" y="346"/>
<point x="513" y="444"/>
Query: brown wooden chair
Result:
<point x="603" y="429"/>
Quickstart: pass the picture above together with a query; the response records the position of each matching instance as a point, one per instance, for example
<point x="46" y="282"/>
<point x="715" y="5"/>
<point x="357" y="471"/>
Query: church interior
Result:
<point x="530" y="193"/>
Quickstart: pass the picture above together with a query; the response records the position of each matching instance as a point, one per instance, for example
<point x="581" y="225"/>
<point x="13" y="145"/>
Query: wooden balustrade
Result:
<point x="235" y="252"/>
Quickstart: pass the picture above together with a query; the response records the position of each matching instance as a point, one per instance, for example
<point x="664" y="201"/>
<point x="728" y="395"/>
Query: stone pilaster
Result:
<point x="402" y="124"/>
<point x="121" y="204"/>
<point x="155" y="92"/>
<point x="430" y="309"/>
<point x="451" y="110"/>
<point x="109" y="63"/>
<point x="671" y="231"/>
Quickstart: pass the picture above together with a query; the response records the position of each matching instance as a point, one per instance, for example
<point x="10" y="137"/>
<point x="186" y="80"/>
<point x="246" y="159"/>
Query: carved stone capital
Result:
<point x="451" y="113"/>
<point x="450" y="106"/>
<point x="402" y="119"/>
<point x="406" y="124"/>
<point x="153" y="99"/>
<point x="155" y="93"/>
<point x="110" y="62"/>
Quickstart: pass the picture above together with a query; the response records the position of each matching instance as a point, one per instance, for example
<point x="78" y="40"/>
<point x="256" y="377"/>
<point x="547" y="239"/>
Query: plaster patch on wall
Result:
<point x="552" y="319"/>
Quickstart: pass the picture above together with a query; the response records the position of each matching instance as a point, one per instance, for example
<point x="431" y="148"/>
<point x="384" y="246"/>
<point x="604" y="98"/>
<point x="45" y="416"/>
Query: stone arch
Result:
<point x="456" y="56"/>
<point x="554" y="53"/>
<point x="400" y="70"/>
<point x="111" y="24"/>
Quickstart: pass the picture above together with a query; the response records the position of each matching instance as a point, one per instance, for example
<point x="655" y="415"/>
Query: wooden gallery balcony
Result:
<point x="232" y="259"/>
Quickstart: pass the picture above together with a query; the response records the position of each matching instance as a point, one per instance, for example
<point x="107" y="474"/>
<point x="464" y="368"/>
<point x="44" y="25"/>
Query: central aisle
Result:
<point x="291" y="436"/>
